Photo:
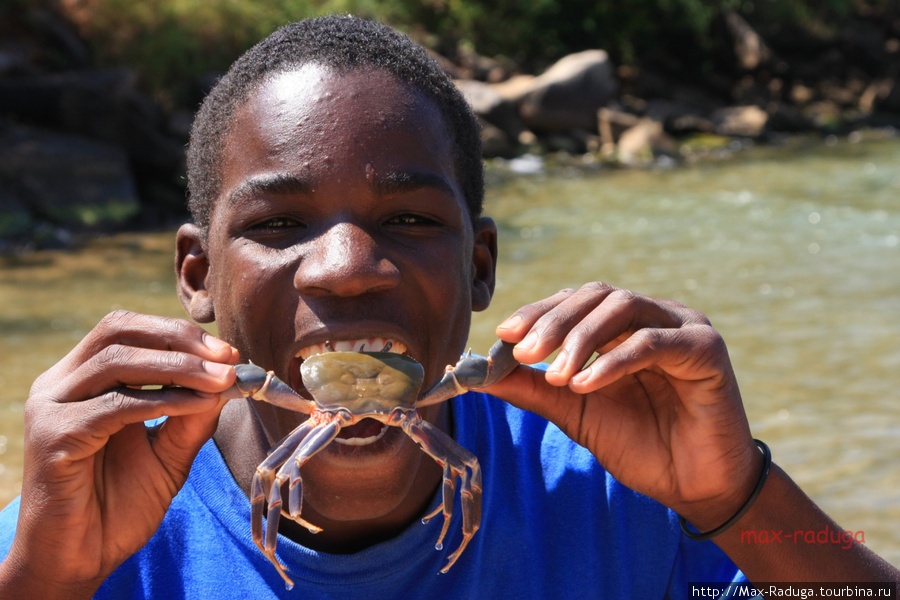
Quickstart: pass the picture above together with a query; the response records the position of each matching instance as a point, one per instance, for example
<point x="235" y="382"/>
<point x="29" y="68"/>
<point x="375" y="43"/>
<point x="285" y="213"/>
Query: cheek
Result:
<point x="449" y="270"/>
<point x="244" y="291"/>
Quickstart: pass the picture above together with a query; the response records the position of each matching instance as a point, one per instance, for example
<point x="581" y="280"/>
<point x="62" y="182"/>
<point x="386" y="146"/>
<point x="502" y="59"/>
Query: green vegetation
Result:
<point x="173" y="42"/>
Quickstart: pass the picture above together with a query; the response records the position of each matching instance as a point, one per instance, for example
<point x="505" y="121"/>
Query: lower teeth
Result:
<point x="356" y="441"/>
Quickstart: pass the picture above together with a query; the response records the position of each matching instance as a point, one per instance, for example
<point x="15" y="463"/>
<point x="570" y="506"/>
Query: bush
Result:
<point x="174" y="42"/>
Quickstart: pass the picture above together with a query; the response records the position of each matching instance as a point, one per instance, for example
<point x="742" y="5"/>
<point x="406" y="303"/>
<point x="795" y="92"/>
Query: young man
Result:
<point x="336" y="187"/>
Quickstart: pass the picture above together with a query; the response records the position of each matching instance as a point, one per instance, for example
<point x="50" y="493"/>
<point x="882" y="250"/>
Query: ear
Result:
<point x="484" y="264"/>
<point x="191" y="268"/>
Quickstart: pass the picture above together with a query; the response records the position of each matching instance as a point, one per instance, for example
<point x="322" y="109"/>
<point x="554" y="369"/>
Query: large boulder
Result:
<point x="568" y="95"/>
<point x="63" y="180"/>
<point x="102" y="105"/>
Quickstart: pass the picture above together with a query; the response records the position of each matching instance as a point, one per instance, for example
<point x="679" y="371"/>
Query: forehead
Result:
<point x="314" y="116"/>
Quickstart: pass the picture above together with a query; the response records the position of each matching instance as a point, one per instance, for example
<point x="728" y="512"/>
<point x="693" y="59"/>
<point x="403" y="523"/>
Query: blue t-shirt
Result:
<point x="554" y="525"/>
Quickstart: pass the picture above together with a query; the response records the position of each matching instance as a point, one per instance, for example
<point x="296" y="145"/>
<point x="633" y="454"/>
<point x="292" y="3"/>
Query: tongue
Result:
<point x="365" y="428"/>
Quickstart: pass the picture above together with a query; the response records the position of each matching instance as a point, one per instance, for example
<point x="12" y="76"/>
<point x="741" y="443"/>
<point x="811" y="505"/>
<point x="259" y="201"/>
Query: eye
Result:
<point x="410" y="220"/>
<point x="276" y="224"/>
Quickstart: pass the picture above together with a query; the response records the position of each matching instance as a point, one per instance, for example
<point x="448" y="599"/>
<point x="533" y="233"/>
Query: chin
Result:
<point x="352" y="483"/>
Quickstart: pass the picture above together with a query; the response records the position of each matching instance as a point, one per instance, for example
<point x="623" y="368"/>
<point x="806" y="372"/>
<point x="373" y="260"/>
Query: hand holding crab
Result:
<point x="350" y="386"/>
<point x="659" y="406"/>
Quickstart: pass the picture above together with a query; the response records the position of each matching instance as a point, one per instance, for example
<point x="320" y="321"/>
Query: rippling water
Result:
<point x="793" y="253"/>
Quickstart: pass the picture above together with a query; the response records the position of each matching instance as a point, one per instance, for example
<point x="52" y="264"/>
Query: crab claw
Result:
<point x="255" y="382"/>
<point x="472" y="372"/>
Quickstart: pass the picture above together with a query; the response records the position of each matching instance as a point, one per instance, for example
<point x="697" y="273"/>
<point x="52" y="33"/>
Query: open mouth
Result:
<point x="367" y="431"/>
<point x="374" y="344"/>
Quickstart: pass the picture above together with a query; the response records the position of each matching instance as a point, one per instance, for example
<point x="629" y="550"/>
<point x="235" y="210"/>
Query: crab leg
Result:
<point x="455" y="459"/>
<point x="265" y="473"/>
<point x="323" y="435"/>
<point x="472" y="372"/>
<point x="302" y="444"/>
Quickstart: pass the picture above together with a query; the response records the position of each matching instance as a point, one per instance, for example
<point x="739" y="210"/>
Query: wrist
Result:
<point x="19" y="580"/>
<point x="740" y="482"/>
<point x="707" y="534"/>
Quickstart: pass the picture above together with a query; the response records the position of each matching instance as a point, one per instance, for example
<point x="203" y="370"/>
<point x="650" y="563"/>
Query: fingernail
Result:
<point x="217" y="370"/>
<point x="214" y="343"/>
<point x="529" y="341"/>
<point x="579" y="378"/>
<point x="559" y="363"/>
<point x="511" y="322"/>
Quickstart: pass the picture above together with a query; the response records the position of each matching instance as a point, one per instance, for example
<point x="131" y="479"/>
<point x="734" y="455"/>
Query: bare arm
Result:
<point x="97" y="482"/>
<point x="660" y="409"/>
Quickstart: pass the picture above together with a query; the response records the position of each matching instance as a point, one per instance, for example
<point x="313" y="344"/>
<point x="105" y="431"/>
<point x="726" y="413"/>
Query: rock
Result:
<point x="568" y="143"/>
<point x="749" y="48"/>
<point x="825" y="115"/>
<point x="60" y="37"/>
<point x="64" y="180"/>
<point x="654" y="87"/>
<point x="787" y="119"/>
<point x="678" y="118"/>
<point x="103" y="105"/>
<point x="643" y="142"/>
<point x="740" y="121"/>
<point x="568" y="95"/>
<point x="495" y="142"/>
<point x="16" y="221"/>
<point x="480" y="68"/>
<point x="611" y="123"/>
<point x="515" y="88"/>
<point x="887" y="97"/>
<point x="452" y="71"/>
<point x="801" y="94"/>
<point x="491" y="107"/>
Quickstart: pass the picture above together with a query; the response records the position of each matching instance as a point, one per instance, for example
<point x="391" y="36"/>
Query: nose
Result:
<point x="345" y="260"/>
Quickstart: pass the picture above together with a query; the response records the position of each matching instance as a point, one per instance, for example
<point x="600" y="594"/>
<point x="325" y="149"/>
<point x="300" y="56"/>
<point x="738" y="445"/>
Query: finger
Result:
<point x="584" y="321"/>
<point x="516" y="326"/>
<point x="147" y="331"/>
<point x="527" y="389"/>
<point x="619" y="313"/>
<point x="179" y="439"/>
<point x="692" y="353"/>
<point x="554" y="322"/>
<point x="96" y="420"/>
<point x="118" y="366"/>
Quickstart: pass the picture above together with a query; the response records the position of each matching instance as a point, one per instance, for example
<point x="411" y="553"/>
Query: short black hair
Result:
<point x="342" y="43"/>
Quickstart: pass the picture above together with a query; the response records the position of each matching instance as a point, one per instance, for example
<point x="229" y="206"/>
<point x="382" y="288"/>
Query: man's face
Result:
<point x="340" y="218"/>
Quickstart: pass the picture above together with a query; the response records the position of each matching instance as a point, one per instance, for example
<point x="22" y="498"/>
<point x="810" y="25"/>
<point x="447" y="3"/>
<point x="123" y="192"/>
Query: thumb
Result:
<point x="527" y="388"/>
<point x="179" y="439"/>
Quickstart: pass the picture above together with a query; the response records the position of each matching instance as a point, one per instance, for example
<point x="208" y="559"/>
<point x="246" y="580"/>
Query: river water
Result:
<point x="792" y="252"/>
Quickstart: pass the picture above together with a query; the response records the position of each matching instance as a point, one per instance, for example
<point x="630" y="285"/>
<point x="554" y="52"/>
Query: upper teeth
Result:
<point x="375" y="344"/>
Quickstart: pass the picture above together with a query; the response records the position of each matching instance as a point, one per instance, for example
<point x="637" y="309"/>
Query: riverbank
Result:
<point x="791" y="251"/>
<point x="85" y="149"/>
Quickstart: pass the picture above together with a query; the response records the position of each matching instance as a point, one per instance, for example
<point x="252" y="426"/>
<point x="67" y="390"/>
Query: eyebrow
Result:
<point x="279" y="183"/>
<point x="406" y="181"/>
<point x="285" y="184"/>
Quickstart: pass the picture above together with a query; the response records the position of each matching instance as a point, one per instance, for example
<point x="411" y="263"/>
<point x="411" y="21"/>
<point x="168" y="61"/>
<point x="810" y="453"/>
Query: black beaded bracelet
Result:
<point x="767" y="464"/>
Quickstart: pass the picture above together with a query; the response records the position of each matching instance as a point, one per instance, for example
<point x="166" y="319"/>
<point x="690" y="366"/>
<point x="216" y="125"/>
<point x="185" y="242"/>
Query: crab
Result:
<point x="347" y="387"/>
